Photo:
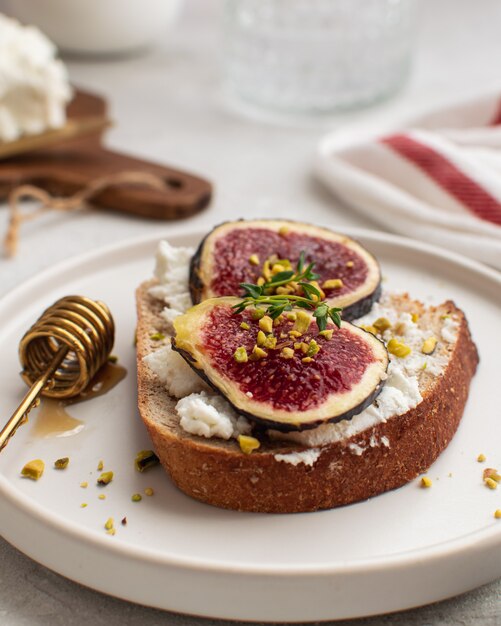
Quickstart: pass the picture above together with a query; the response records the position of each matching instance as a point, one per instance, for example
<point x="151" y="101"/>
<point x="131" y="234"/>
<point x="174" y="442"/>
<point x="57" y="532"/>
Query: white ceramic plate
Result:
<point x="402" y="549"/>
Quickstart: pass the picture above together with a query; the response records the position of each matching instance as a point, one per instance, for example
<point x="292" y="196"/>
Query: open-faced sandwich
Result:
<point x="293" y="383"/>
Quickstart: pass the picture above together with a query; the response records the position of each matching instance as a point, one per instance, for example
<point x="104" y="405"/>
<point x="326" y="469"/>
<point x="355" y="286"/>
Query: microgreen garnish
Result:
<point x="264" y="296"/>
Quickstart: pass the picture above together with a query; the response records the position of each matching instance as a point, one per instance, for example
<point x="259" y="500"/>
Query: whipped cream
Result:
<point x="198" y="406"/>
<point x="34" y="86"/>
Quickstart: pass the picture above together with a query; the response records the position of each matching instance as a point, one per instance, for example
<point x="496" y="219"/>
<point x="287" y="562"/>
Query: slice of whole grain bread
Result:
<point x="218" y="473"/>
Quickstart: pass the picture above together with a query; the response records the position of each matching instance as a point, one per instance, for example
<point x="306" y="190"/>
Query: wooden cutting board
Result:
<point x="65" y="168"/>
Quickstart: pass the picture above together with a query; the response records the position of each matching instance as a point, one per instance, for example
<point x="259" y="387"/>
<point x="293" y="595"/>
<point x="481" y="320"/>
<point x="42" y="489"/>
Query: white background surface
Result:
<point x="167" y="107"/>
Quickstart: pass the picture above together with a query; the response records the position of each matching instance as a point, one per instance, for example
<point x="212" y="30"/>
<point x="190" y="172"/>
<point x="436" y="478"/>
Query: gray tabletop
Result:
<point x="168" y="107"/>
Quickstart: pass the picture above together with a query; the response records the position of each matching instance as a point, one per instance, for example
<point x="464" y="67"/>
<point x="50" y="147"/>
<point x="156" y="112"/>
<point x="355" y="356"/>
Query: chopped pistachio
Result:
<point x="270" y="342"/>
<point x="100" y="466"/>
<point x="283" y="230"/>
<point x="33" y="469"/>
<point x="398" y="348"/>
<point x="425" y="365"/>
<point x="266" y="324"/>
<point x="302" y="323"/>
<point x="369" y="328"/>
<point x="261" y="338"/>
<point x="136" y="497"/>
<point x="84" y="485"/>
<point x="157" y="337"/>
<point x="481" y="458"/>
<point x="145" y="459"/>
<point x="490" y="472"/>
<point x="240" y="355"/>
<point x="61" y="464"/>
<point x="291" y="317"/>
<point x="497" y="513"/>
<point x="491" y="483"/>
<point x="333" y="283"/>
<point x="350" y="264"/>
<point x="415" y="317"/>
<point x="429" y="345"/>
<point x="254" y="259"/>
<point x="105" y="478"/>
<point x="327" y="334"/>
<point x="244" y="326"/>
<point x="317" y="286"/>
<point x="257" y="314"/>
<point x="425" y="482"/>
<point x="149" y="491"/>
<point x="278" y="267"/>
<point x="111" y="531"/>
<point x="313" y="348"/>
<point x="283" y="290"/>
<point x="102" y="496"/>
<point x="109" y="523"/>
<point x="278" y="320"/>
<point x="258" y="353"/>
<point x="287" y="353"/>
<point x="294" y="333"/>
<point x="248" y="444"/>
<point x="382" y="324"/>
<point x="83" y="505"/>
<point x="307" y="359"/>
<point x="260" y="281"/>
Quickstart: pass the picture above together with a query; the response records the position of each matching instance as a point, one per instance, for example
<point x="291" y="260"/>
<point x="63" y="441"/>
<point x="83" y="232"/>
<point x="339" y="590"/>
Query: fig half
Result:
<point x="236" y="252"/>
<point x="287" y="374"/>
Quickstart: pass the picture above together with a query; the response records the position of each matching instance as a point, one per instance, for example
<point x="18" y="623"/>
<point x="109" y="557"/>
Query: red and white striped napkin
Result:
<point x="438" y="180"/>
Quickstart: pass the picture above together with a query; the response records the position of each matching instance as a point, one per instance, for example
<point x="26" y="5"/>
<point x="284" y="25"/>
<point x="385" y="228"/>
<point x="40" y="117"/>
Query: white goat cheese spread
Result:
<point x="207" y="414"/>
<point x="34" y="86"/>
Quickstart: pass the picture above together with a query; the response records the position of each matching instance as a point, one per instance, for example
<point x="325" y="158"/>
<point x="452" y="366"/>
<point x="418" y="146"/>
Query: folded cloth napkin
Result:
<point x="438" y="179"/>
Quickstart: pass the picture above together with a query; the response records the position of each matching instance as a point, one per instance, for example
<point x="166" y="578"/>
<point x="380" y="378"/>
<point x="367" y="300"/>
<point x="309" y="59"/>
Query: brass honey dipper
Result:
<point x="61" y="353"/>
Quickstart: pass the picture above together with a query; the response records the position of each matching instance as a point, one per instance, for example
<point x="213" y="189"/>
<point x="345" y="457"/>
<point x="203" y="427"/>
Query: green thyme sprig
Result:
<point x="261" y="296"/>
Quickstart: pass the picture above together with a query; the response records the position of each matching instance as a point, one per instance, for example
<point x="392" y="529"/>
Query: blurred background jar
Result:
<point x="316" y="56"/>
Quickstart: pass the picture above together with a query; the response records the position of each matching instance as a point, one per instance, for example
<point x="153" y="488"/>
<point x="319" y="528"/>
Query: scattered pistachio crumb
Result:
<point x="149" y="491"/>
<point x="61" y="464"/>
<point x="136" y="497"/>
<point x="425" y="482"/>
<point x="491" y="483"/>
<point x="145" y="459"/>
<point x="254" y="259"/>
<point x="497" y="513"/>
<point x="157" y="336"/>
<point x="84" y="485"/>
<point x="260" y="338"/>
<point x="283" y="230"/>
<point x="260" y="282"/>
<point x="382" y="324"/>
<point x="490" y="472"/>
<point x="291" y="317"/>
<point x="257" y="314"/>
<point x="33" y="469"/>
<point x="313" y="348"/>
<point x="111" y="531"/>
<point x="83" y="505"/>
<point x="102" y="496"/>
<point x="429" y="345"/>
<point x="100" y="466"/>
<point x="124" y="521"/>
<point x="415" y="317"/>
<point x="240" y="355"/>
<point x="244" y="326"/>
<point x="481" y="458"/>
<point x="266" y="324"/>
<point x="449" y="474"/>
<point x="258" y="353"/>
<point x="105" y="478"/>
<point x="307" y="359"/>
<point x="302" y="323"/>
<point x="109" y="523"/>
<point x="369" y="328"/>
<point x="350" y="264"/>
<point x="327" y="334"/>
<point x="398" y="348"/>
<point x="287" y="353"/>
<point x="333" y="283"/>
<point x="248" y="444"/>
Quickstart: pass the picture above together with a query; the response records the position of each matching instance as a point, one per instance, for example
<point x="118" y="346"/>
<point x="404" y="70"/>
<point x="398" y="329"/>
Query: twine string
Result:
<point x="47" y="202"/>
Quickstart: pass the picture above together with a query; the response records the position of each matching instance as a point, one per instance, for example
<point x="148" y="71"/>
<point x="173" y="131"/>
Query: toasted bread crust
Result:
<point x="218" y="473"/>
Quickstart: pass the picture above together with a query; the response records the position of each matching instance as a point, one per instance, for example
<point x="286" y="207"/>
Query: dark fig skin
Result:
<point x="269" y="424"/>
<point x="349" y="313"/>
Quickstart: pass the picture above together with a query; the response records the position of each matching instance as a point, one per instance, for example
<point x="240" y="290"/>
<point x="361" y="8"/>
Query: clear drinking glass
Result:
<point x="316" y="56"/>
